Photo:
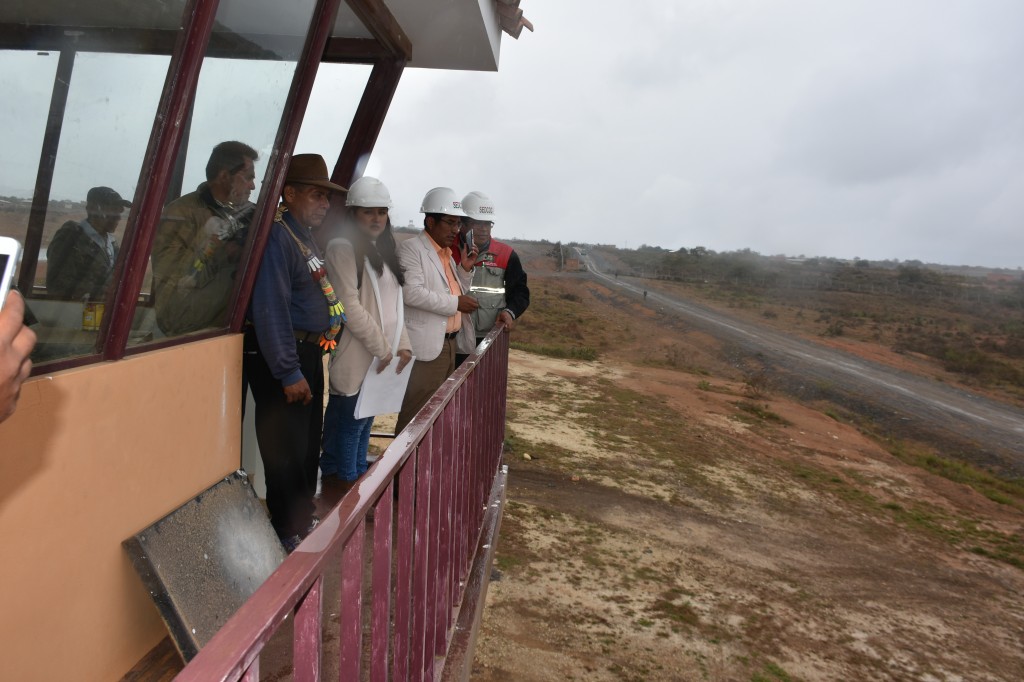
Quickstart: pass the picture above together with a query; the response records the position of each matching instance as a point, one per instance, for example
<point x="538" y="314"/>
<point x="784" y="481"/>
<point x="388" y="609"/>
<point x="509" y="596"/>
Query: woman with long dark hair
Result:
<point x="363" y="265"/>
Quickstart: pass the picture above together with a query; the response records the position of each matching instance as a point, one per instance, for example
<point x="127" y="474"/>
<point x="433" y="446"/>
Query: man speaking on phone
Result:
<point x="499" y="281"/>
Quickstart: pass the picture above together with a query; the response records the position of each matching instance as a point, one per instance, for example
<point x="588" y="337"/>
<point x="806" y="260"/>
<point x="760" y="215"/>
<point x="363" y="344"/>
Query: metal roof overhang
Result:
<point x="435" y="34"/>
<point x="451" y="34"/>
<point x="390" y="34"/>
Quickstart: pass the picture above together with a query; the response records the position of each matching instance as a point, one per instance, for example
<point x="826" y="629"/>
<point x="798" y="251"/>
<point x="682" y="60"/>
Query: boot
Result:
<point x="332" y="489"/>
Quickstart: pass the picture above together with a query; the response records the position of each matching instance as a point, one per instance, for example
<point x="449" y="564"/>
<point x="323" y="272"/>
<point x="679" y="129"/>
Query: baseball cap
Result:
<point x="105" y="196"/>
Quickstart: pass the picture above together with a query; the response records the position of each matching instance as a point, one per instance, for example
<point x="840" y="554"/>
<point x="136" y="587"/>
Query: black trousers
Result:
<point x="288" y="435"/>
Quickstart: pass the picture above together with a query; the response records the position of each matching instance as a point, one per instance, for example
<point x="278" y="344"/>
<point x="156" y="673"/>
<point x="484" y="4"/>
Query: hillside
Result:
<point x="677" y="520"/>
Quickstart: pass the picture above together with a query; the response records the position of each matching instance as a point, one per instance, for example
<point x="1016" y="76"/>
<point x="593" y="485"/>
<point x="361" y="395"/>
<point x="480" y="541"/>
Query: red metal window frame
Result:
<point x="389" y="52"/>
<point x="179" y="89"/>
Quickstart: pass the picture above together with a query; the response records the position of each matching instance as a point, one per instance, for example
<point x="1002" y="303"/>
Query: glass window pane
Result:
<point x="111" y="100"/>
<point x="27" y="77"/>
<point x="332" y="106"/>
<point x="241" y="96"/>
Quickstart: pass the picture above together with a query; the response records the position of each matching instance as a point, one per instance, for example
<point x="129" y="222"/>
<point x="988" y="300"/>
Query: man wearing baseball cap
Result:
<point x="80" y="257"/>
<point x="294" y="318"/>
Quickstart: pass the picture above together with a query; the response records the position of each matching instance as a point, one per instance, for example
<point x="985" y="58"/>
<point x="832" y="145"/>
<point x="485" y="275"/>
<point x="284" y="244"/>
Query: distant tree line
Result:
<point x="749" y="269"/>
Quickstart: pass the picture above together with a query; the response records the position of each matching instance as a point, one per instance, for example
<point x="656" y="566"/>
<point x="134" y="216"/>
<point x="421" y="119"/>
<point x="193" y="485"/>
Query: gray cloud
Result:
<point x="881" y="130"/>
<point x="846" y="128"/>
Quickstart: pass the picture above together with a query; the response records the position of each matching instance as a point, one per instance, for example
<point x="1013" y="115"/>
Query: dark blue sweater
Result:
<point x="286" y="299"/>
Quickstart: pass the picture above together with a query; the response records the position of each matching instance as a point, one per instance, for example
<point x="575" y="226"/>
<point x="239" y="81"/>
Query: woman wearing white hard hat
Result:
<point x="362" y="264"/>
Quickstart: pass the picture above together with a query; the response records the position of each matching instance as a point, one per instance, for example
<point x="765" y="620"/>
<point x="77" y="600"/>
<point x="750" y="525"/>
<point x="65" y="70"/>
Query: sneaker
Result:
<point x="291" y="543"/>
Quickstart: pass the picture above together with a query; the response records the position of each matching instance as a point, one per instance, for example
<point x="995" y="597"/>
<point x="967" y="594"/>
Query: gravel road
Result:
<point x="905" y="405"/>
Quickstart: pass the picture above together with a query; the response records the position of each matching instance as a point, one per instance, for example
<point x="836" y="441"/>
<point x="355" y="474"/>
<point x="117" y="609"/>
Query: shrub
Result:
<point x="571" y="353"/>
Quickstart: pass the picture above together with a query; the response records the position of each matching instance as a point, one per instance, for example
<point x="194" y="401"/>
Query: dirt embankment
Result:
<point x="675" y="522"/>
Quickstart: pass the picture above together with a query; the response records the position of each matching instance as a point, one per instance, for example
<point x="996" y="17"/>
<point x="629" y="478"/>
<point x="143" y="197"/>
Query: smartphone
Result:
<point x="467" y="240"/>
<point x="10" y="249"/>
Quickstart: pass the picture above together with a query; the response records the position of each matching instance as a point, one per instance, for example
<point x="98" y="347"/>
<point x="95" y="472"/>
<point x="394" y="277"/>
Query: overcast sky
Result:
<point x="870" y="128"/>
<point x="848" y="128"/>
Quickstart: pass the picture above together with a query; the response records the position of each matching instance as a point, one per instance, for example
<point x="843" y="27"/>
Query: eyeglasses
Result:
<point x="452" y="223"/>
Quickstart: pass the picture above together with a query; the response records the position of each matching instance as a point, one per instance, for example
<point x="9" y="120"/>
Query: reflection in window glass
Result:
<point x="105" y="129"/>
<point x="240" y="100"/>
<point x="25" y="79"/>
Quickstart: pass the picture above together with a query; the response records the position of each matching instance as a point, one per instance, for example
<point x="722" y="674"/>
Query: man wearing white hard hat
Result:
<point x="436" y="292"/>
<point x="499" y="281"/>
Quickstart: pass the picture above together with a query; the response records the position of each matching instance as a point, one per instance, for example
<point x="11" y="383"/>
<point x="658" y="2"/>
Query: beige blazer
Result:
<point x="428" y="302"/>
<point x="363" y="335"/>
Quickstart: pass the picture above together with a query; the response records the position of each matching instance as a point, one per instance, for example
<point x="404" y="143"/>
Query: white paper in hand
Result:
<point x="383" y="393"/>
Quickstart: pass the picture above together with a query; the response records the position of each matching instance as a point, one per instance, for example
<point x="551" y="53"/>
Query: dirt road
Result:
<point x="970" y="425"/>
<point x="666" y="524"/>
<point x="660" y="531"/>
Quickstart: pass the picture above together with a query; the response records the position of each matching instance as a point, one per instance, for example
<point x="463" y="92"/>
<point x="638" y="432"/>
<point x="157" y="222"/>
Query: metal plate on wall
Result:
<point x="204" y="559"/>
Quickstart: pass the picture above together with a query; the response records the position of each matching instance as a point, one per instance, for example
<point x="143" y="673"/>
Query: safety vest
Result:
<point x="489" y="285"/>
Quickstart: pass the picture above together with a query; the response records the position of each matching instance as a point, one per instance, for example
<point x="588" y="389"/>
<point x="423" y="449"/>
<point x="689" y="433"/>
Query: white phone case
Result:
<point x="10" y="250"/>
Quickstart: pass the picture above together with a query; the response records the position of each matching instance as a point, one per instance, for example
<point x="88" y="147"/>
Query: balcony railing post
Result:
<point x="351" y="645"/>
<point x="404" y="568"/>
<point x="444" y="467"/>
<point x="436" y="535"/>
<point x="382" y="530"/>
<point x="307" y="637"/>
<point x="421" y="555"/>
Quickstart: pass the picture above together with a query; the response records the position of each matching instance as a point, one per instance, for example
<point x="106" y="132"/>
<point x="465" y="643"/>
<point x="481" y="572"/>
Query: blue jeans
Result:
<point x="346" y="439"/>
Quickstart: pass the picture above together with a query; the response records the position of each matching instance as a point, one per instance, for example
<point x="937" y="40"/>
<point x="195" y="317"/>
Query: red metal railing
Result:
<point x="447" y="468"/>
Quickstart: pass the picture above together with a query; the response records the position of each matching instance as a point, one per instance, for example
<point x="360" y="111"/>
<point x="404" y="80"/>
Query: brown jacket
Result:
<point x="188" y="298"/>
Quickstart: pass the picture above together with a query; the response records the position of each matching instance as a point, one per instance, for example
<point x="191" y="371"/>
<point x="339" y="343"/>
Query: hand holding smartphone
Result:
<point x="10" y="250"/>
<point x="16" y="340"/>
<point x="469" y="250"/>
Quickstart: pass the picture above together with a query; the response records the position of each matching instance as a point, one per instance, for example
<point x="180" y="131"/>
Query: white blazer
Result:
<point x="428" y="301"/>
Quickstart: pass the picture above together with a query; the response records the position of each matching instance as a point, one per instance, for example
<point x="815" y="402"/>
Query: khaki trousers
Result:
<point x="426" y="378"/>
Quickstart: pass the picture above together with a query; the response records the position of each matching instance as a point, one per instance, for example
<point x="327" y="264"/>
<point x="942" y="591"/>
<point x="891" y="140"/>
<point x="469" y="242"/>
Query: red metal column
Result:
<point x="44" y="176"/>
<point x="179" y="91"/>
<point x="367" y="122"/>
<point x="298" y="98"/>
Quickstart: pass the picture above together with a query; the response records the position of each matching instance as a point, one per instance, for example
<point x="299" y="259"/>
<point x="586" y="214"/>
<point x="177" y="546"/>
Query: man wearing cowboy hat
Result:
<point x="293" y="317"/>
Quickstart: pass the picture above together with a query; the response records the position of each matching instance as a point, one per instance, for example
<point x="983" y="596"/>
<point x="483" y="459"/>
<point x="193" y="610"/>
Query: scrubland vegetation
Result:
<point x="970" y="320"/>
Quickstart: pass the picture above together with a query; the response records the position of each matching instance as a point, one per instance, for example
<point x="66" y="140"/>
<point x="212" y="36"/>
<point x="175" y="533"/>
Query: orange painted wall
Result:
<point x="91" y="456"/>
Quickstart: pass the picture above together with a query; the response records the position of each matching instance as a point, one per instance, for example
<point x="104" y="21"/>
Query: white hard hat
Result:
<point x="479" y="206"/>
<point x="368" y="192"/>
<point x="442" y="200"/>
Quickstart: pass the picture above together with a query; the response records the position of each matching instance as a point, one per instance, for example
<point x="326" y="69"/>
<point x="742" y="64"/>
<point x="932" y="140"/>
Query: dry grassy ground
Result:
<point x="675" y="523"/>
